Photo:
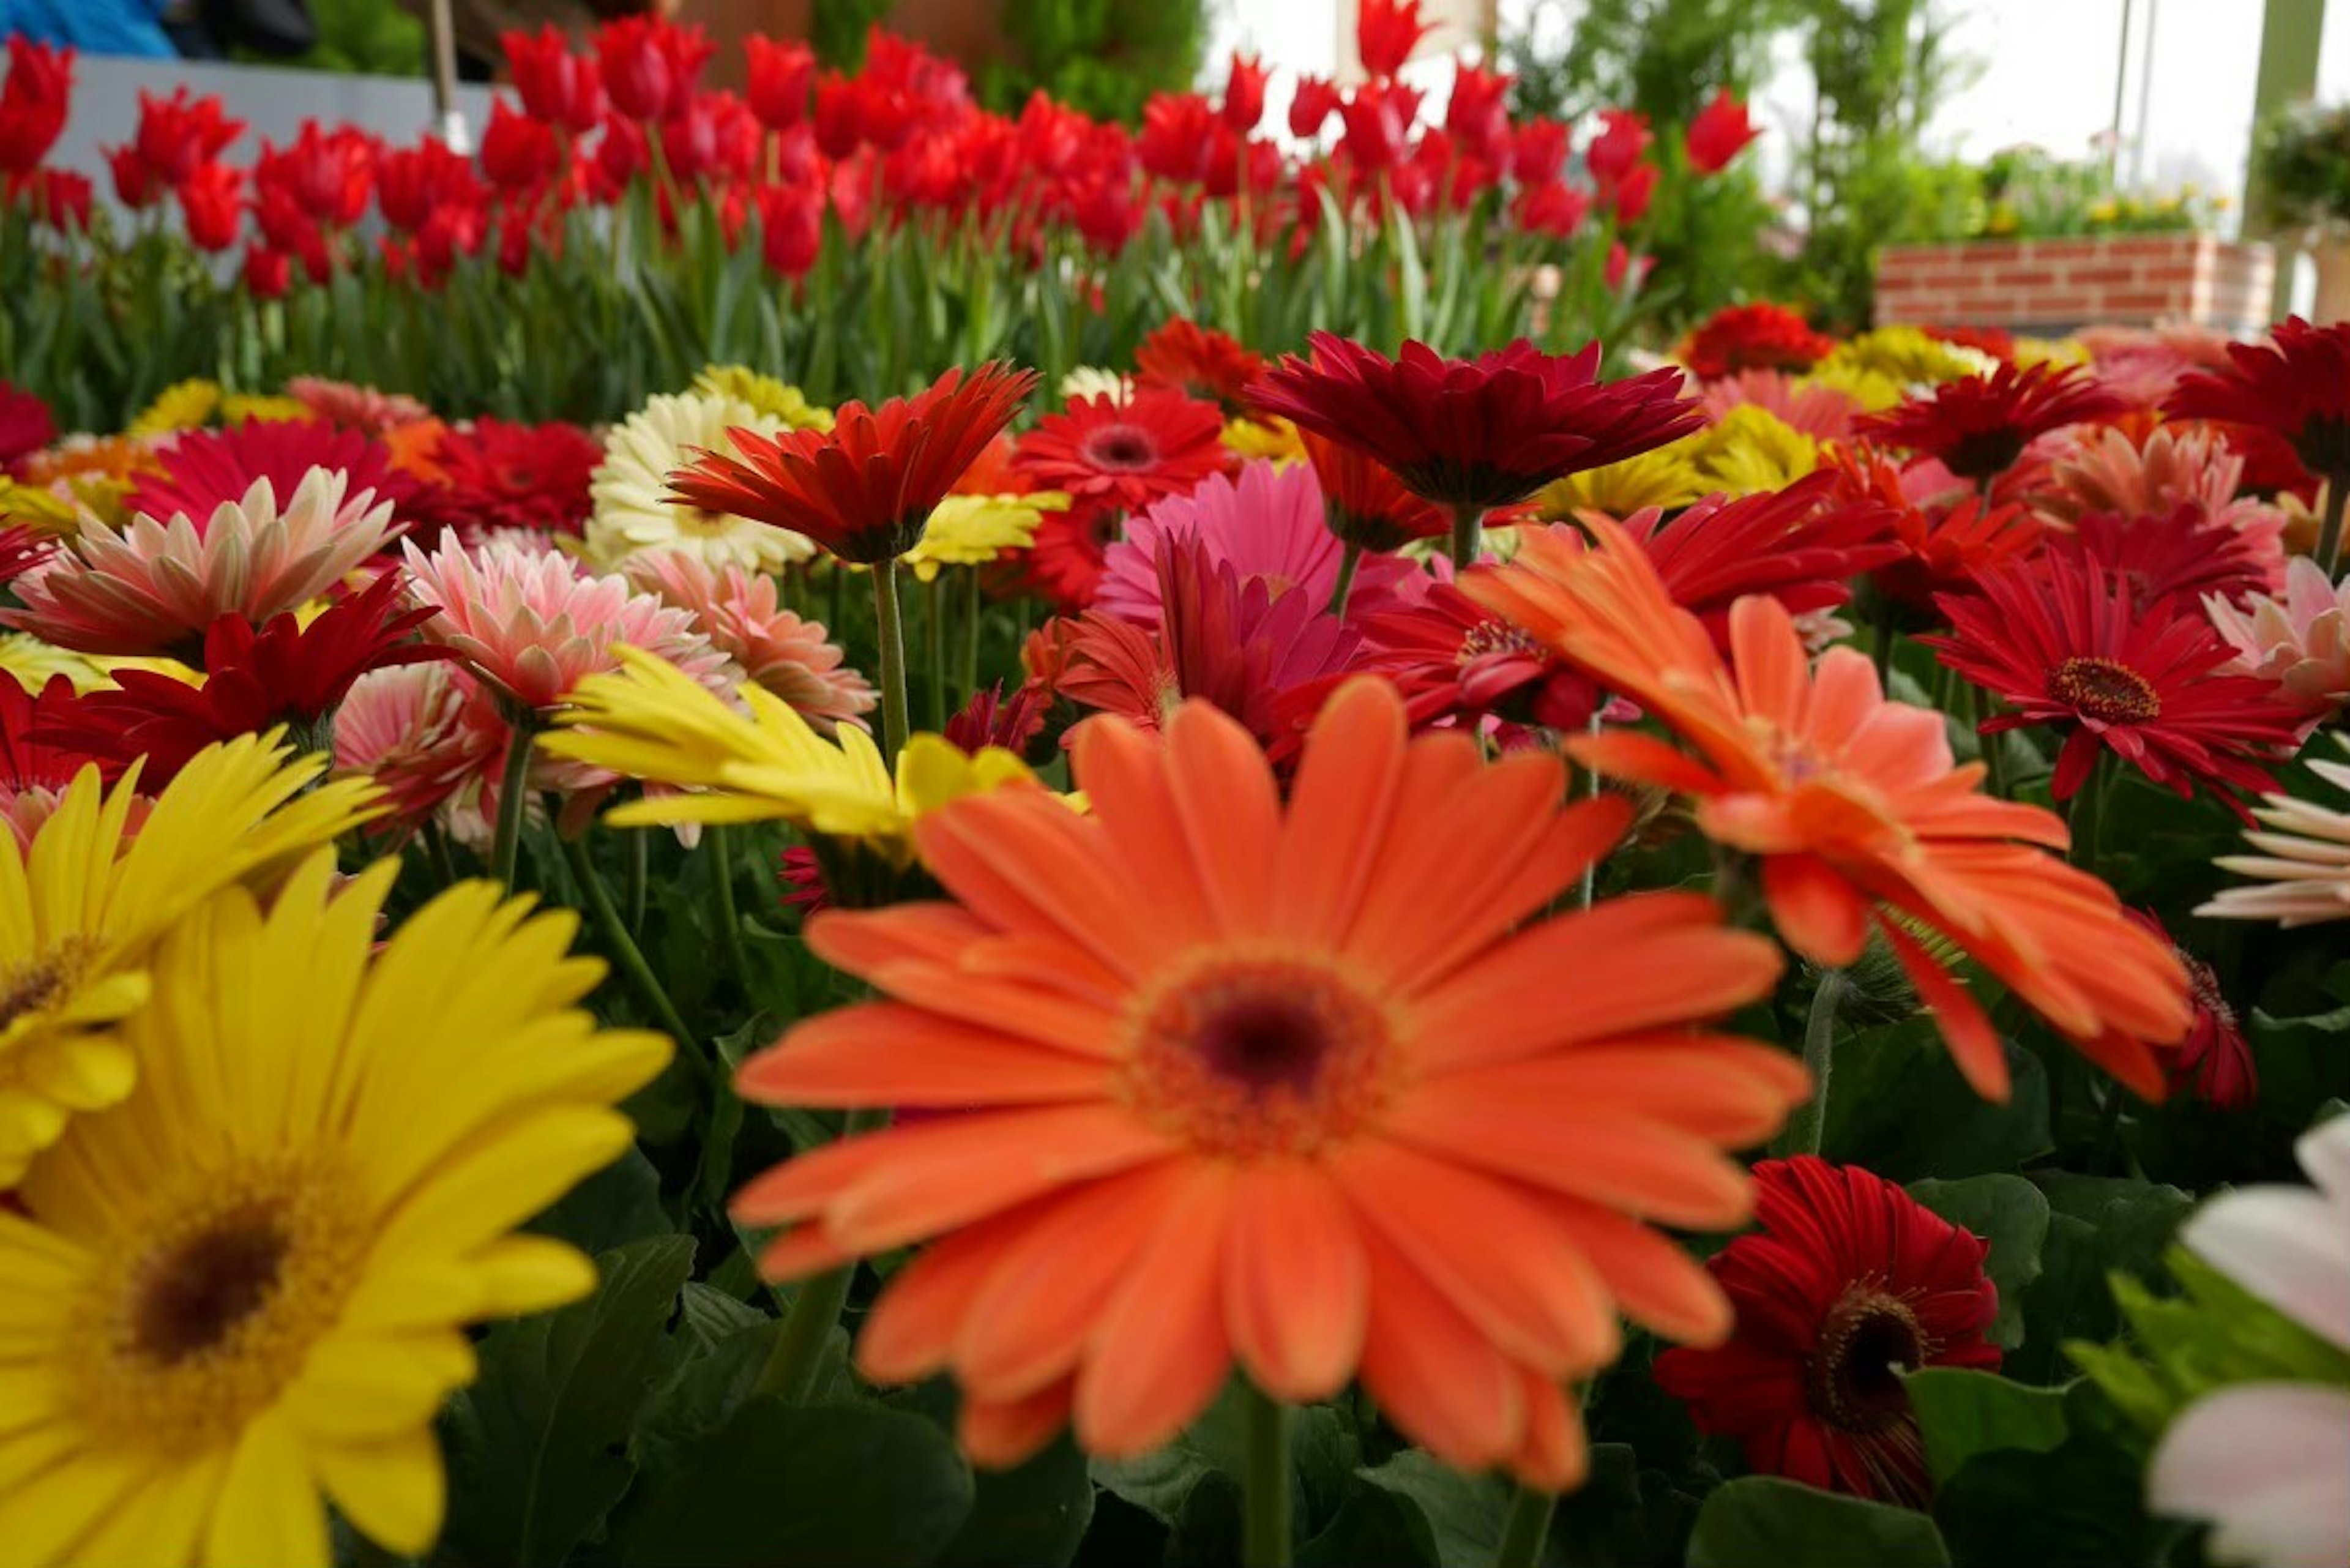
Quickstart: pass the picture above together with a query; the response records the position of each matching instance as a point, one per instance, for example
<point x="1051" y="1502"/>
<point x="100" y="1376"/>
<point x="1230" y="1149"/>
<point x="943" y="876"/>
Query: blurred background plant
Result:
<point x="2303" y="158"/>
<point x="1104" y="56"/>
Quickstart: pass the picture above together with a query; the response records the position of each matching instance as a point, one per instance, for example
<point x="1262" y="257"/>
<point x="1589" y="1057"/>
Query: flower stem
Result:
<point x="1881" y="644"/>
<point x="1466" y="521"/>
<point x="632" y="891"/>
<point x="1351" y="557"/>
<point x="505" y="849"/>
<point x="974" y="612"/>
<point x="628" y="955"/>
<point x="1809" y="1124"/>
<point x="889" y="631"/>
<point x="1528" y="1526"/>
<point x="1266" y="1504"/>
<point x="934" y="646"/>
<point x="2085" y="817"/>
<point x="2329" y="531"/>
<point x="729" y="921"/>
<point x="790" y="1371"/>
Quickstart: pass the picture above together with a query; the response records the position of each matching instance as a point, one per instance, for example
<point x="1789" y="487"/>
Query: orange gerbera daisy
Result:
<point x="1853" y="806"/>
<point x="1283" y="1087"/>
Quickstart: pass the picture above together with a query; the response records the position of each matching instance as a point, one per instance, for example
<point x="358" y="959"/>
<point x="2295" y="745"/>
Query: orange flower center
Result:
<point x="1255" y="1057"/>
<point x="1492" y="637"/>
<point x="2102" y="688"/>
<point x="1867" y="1342"/>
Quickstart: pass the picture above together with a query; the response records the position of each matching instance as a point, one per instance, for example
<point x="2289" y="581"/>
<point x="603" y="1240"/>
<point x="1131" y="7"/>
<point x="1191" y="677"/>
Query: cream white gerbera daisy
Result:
<point x="634" y="512"/>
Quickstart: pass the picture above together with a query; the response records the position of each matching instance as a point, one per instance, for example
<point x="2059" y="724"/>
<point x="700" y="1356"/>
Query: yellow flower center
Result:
<point x="203" y="1316"/>
<point x="700" y="523"/>
<point x="1249" y="1056"/>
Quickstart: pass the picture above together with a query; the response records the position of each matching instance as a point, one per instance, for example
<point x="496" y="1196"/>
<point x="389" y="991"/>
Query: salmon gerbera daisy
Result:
<point x="1853" y="806"/>
<point x="1279" y="1086"/>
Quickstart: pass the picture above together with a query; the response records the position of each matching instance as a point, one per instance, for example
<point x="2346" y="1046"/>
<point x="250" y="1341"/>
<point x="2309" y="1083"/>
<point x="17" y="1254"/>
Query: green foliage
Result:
<point x="1100" y="56"/>
<point x="1761" y="1521"/>
<point x="2028" y="193"/>
<point x="2301" y="163"/>
<point x="363" y="37"/>
<point x="2012" y="1215"/>
<point x="1662" y="57"/>
<point x="837" y="30"/>
<point x="1962" y="1413"/>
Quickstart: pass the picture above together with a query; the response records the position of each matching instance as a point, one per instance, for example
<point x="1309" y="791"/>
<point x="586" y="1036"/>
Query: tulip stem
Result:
<point x="790" y="1371"/>
<point x="505" y="849"/>
<point x="1266" y="1504"/>
<point x="1466" y="521"/>
<point x="890" y="632"/>
<point x="1351" y="557"/>
<point x="1527" y="1527"/>
<point x="1809" y="1122"/>
<point x="2329" y="531"/>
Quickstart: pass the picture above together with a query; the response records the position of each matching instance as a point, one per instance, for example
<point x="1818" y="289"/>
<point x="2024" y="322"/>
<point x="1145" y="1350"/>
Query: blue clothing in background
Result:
<point x="93" y="26"/>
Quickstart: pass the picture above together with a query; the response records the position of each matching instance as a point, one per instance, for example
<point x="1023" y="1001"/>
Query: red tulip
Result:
<point x="791" y="228"/>
<point x="651" y="67"/>
<point x="267" y="273"/>
<point x="1538" y="151"/>
<point x="1243" y="103"/>
<point x="1385" y="33"/>
<point x="212" y="201"/>
<point x="518" y="153"/>
<point x="1478" y="113"/>
<point x="780" y="74"/>
<point x="59" y="198"/>
<point x="557" y="86"/>
<point x="1718" y="133"/>
<point x="1623" y="137"/>
<point x="135" y="185"/>
<point x="1632" y="193"/>
<point x="839" y="115"/>
<point x="1310" y="107"/>
<point x="33" y="103"/>
<point x="412" y="181"/>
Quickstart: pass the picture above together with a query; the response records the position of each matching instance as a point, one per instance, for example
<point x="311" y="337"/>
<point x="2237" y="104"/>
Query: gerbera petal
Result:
<point x="1445" y="1384"/>
<point x="1296" y="1287"/>
<point x="1160" y="1351"/>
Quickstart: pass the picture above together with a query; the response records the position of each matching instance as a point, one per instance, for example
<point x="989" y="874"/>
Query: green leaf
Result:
<point x="2099" y="1225"/>
<point x="1159" y="1483"/>
<point x="537" y="1445"/>
<point x="1465" y="1513"/>
<point x="1371" y="1526"/>
<point x="1962" y="1413"/>
<point x="619" y="1204"/>
<point x="706" y="1317"/>
<point x="1761" y="1521"/>
<point x="2012" y="1215"/>
<point x="1900" y="1107"/>
<point x="2079" y="1502"/>
<point x="827" y="1486"/>
<point x="1031" y="1516"/>
<point x="1207" y="1530"/>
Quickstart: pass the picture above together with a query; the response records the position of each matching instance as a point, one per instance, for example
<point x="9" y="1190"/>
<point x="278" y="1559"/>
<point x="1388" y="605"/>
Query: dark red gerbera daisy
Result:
<point x="2182" y="556"/>
<point x="24" y="425"/>
<point x="1268" y="660"/>
<point x="992" y="719"/>
<point x="1944" y="548"/>
<point x="1850" y="1284"/>
<point x="2214" y="1063"/>
<point x="1978" y="425"/>
<point x="30" y="758"/>
<point x="1071" y="550"/>
<point x="1454" y="660"/>
<point x="22" y="549"/>
<point x="865" y="489"/>
<point x="285" y="674"/>
<point x="1801" y="545"/>
<point x="1199" y="361"/>
<point x="1758" y="337"/>
<point x="494" y="475"/>
<point x="2065" y="644"/>
<point x="2297" y="384"/>
<point x="1126" y="453"/>
<point x="202" y="469"/>
<point x="1364" y="503"/>
<point x="1476" y="433"/>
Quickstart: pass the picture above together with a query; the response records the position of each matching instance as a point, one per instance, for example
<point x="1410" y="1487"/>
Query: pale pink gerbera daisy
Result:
<point x="2300" y="639"/>
<point x="534" y="626"/>
<point x="2140" y="365"/>
<point x="739" y="613"/>
<point x="355" y="407"/>
<point x="2302" y="874"/>
<point x="1819" y="411"/>
<point x="405" y="728"/>
<point x="1267" y="524"/>
<point x="2105" y="471"/>
<point x="155" y="587"/>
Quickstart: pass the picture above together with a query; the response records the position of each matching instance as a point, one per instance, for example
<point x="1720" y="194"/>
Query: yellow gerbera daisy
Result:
<point x="775" y="398"/>
<point x="84" y="903"/>
<point x="245" y="1285"/>
<point x="37" y="507"/>
<point x="32" y="662"/>
<point x="973" y="530"/>
<point x="1666" y="477"/>
<point x="653" y="722"/>
<point x="1750" y="450"/>
<point x="633" y="511"/>
<point x="1273" y="438"/>
<point x="1906" y="354"/>
<point x="2030" y="351"/>
<point x="183" y="406"/>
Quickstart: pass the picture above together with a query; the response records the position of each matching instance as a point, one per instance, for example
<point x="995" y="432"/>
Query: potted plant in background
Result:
<point x="2302" y="160"/>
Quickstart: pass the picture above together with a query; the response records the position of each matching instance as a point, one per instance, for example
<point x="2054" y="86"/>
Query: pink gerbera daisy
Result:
<point x="740" y="615"/>
<point x="406" y="728"/>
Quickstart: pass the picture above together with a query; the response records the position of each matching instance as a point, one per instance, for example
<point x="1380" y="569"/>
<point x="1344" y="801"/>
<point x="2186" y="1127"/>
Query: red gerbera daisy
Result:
<point x="992" y="719"/>
<point x="24" y="425"/>
<point x="1199" y="361"/>
<point x="2214" y="1063"/>
<point x="1070" y="552"/>
<point x="30" y="756"/>
<point x="2182" y="556"/>
<point x="494" y="475"/>
<point x="2296" y="385"/>
<point x="285" y="674"/>
<point x="1454" y="660"/>
<point x="1942" y="550"/>
<point x="1978" y="425"/>
<point x="1127" y="452"/>
<point x="1757" y="336"/>
<point x="202" y="471"/>
<point x="1366" y="504"/>
<point x="865" y="488"/>
<point x="22" y="549"/>
<point x="1481" y="432"/>
<point x="2067" y="645"/>
<point x="1850" y="1284"/>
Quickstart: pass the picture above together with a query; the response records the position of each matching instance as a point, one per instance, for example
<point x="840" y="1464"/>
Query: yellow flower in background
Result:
<point x="34" y="663"/>
<point x="973" y="530"/>
<point x="236" y="408"/>
<point x="83" y="903"/>
<point x="634" y="512"/>
<point x="1750" y="450"/>
<point x="38" y="508"/>
<point x="1274" y="439"/>
<point x="240" y="1293"/>
<point x="1906" y="354"/>
<point x="1666" y="477"/>
<point x="652" y="722"/>
<point x="777" y="399"/>
<point x="183" y="406"/>
<point x="2030" y="351"/>
<point x="1873" y="391"/>
<point x="1094" y="381"/>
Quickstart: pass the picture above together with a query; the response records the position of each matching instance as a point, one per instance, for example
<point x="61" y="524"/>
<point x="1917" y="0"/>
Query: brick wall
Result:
<point x="2055" y="286"/>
